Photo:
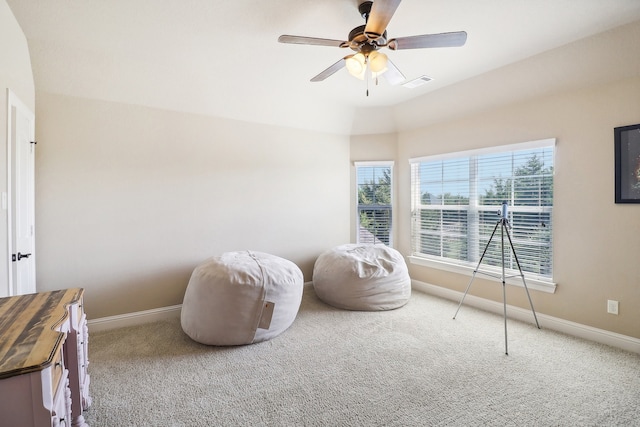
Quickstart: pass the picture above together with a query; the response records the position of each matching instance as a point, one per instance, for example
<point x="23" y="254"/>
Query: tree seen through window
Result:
<point x="374" y="204"/>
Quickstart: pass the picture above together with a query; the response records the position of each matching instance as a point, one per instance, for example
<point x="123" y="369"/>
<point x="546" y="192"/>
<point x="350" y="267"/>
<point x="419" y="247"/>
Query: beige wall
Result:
<point x="130" y="199"/>
<point x="16" y="75"/>
<point x="596" y="243"/>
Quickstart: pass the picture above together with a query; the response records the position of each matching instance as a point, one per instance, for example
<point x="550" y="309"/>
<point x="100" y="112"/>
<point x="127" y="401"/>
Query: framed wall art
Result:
<point x="627" y="155"/>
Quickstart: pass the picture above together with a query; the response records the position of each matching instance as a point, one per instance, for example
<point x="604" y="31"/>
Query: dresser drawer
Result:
<point x="80" y="309"/>
<point x="57" y="371"/>
<point x="61" y="409"/>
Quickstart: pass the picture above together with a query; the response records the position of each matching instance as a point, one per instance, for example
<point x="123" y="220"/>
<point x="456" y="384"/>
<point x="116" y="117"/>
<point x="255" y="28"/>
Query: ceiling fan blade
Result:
<point x="454" y="39"/>
<point x="393" y="75"/>
<point x="381" y="13"/>
<point x="331" y="70"/>
<point x="312" y="41"/>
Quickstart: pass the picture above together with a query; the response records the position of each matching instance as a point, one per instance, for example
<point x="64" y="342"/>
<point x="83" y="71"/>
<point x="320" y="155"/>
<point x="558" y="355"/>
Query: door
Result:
<point x="21" y="160"/>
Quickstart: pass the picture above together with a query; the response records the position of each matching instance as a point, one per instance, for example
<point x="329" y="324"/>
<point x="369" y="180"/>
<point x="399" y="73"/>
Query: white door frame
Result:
<point x="14" y="102"/>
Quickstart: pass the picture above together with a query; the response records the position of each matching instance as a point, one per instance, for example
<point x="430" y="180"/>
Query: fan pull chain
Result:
<point x="367" y="78"/>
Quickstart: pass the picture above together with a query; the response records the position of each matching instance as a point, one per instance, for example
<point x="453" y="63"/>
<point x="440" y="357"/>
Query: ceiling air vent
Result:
<point x="417" y="82"/>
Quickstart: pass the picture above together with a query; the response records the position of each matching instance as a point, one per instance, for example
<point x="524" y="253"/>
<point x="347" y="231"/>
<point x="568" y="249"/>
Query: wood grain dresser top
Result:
<point x="28" y="336"/>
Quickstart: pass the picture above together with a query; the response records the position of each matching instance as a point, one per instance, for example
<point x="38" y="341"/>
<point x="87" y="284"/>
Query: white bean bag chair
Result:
<point x="362" y="277"/>
<point x="241" y="298"/>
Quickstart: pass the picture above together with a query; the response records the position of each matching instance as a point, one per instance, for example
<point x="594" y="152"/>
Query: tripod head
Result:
<point x="503" y="213"/>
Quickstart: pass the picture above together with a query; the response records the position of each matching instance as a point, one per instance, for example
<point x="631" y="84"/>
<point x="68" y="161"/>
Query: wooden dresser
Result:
<point x="43" y="359"/>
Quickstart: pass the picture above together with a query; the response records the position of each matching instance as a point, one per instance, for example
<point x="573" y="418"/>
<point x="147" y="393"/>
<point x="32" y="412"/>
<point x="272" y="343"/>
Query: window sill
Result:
<point x="487" y="273"/>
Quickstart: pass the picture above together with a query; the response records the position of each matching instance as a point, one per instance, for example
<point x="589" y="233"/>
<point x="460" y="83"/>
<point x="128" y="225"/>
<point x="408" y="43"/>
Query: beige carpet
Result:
<point x="414" y="366"/>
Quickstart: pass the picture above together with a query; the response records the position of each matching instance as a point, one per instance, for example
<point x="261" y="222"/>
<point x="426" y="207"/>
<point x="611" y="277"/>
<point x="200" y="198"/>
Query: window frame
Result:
<point x="382" y="164"/>
<point x="441" y="263"/>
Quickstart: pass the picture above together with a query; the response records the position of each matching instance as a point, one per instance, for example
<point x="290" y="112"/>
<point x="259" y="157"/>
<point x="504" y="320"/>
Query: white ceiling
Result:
<point x="222" y="58"/>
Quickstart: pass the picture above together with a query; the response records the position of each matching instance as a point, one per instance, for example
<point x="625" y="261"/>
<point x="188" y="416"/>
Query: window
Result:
<point x="456" y="198"/>
<point x="374" y="217"/>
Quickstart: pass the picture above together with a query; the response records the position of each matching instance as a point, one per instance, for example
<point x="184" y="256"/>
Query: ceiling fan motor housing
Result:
<point x="358" y="40"/>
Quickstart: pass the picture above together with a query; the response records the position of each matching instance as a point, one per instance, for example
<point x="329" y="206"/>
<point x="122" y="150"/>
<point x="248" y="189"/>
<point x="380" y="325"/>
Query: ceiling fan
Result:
<point x="367" y="39"/>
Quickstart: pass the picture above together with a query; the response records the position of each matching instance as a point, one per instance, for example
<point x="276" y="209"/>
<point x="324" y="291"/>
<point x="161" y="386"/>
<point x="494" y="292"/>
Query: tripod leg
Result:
<point x="473" y="276"/>
<point x="504" y="286"/>
<point x="504" y="304"/>
<point x="523" y="281"/>
<point x="476" y="270"/>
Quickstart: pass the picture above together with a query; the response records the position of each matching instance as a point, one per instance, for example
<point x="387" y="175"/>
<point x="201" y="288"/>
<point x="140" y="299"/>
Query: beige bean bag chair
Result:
<point x="362" y="277"/>
<point x="241" y="298"/>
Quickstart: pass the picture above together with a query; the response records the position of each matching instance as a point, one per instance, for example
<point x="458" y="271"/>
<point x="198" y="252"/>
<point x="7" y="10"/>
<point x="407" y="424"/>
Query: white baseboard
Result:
<point x="565" y="326"/>
<point x="131" y="319"/>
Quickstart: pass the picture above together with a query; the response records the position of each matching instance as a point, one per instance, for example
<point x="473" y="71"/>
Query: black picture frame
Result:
<point x="627" y="154"/>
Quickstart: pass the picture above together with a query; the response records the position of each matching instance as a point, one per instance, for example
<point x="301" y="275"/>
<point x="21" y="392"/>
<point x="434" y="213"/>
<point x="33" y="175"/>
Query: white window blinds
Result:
<point x="455" y="200"/>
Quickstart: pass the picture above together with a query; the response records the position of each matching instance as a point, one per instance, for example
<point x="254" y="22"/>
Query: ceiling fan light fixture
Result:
<point x="377" y="62"/>
<point x="356" y="64"/>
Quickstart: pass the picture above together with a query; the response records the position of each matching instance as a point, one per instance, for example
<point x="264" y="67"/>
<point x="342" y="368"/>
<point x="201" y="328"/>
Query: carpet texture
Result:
<point x="414" y="366"/>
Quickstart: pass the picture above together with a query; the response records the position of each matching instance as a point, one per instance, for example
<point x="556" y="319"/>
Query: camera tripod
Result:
<point x="503" y="223"/>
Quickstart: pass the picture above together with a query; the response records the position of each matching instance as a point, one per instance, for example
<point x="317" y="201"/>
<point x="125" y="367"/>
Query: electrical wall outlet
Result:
<point x="612" y="307"/>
